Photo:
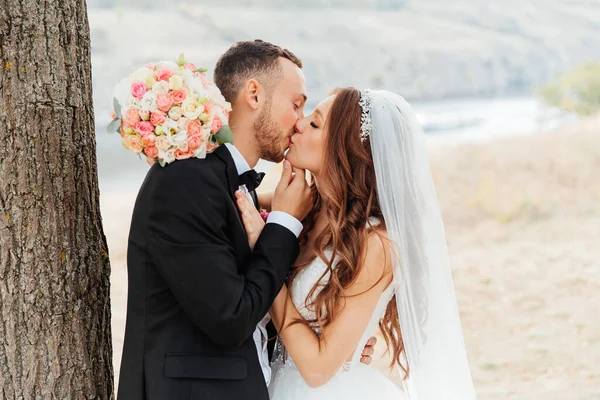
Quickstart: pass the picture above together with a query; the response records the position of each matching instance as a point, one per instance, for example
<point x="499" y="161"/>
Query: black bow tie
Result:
<point x="251" y="179"/>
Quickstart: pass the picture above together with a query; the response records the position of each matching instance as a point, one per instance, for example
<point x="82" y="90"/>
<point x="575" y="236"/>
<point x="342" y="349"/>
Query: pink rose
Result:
<point x="149" y="140"/>
<point x="145" y="114"/>
<point x="211" y="147"/>
<point x="133" y="143"/>
<point x="144" y="128"/>
<point x="264" y="214"/>
<point x="132" y="116"/>
<point x="205" y="81"/>
<point x="182" y="155"/>
<point x="158" y="118"/>
<point x="207" y="108"/>
<point x="178" y="96"/>
<point x="151" y="152"/>
<point x="194" y="143"/>
<point x="190" y="66"/>
<point x="163" y="75"/>
<point x="216" y="125"/>
<point x="194" y="127"/>
<point x="138" y="89"/>
<point x="164" y="102"/>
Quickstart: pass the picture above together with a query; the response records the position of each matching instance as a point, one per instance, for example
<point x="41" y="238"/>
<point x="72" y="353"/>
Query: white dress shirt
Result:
<point x="260" y="335"/>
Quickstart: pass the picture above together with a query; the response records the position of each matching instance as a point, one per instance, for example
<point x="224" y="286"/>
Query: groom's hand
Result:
<point x="292" y="194"/>
<point x="368" y="351"/>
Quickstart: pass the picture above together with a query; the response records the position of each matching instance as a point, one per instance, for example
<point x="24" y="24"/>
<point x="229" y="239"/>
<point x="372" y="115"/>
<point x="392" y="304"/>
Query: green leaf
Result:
<point x="224" y="135"/>
<point x="201" y="70"/>
<point x="181" y="60"/>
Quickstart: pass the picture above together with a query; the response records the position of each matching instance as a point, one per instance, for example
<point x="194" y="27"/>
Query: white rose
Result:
<point x="206" y="131"/>
<point x="200" y="152"/>
<point x="176" y="82"/>
<point x="161" y="87"/>
<point x="196" y="87"/>
<point x="182" y="122"/>
<point x="132" y="102"/>
<point x="192" y="108"/>
<point x="149" y="102"/>
<point x="141" y="74"/>
<point x="216" y="96"/>
<point x="186" y="74"/>
<point x="122" y="92"/>
<point x="168" y="156"/>
<point x="175" y="113"/>
<point x="179" y="139"/>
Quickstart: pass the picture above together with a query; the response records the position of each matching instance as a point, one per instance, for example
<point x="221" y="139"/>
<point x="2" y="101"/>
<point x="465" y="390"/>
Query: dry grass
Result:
<point x="522" y="218"/>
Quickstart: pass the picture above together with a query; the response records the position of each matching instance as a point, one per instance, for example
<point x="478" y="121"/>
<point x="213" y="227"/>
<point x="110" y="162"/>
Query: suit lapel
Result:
<point x="241" y="243"/>
<point x="232" y="176"/>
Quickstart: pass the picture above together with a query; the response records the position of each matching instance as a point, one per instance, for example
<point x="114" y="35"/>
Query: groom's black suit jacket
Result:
<point x="196" y="291"/>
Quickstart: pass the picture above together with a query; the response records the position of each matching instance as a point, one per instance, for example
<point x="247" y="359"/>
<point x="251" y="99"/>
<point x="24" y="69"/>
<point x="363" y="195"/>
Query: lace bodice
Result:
<point x="300" y="290"/>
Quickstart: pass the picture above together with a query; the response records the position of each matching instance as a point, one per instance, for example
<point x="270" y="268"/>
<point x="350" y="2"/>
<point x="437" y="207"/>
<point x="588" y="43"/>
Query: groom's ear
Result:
<point x="252" y="93"/>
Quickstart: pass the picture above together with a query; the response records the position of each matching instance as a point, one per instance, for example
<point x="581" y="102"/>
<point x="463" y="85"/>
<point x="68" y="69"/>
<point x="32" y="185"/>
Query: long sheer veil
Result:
<point x="429" y="319"/>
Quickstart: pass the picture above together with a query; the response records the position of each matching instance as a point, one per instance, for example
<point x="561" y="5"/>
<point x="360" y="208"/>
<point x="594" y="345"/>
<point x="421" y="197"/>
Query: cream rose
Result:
<point x="162" y="143"/>
<point x="175" y="82"/>
<point x="175" y="113"/>
<point x="192" y="108"/>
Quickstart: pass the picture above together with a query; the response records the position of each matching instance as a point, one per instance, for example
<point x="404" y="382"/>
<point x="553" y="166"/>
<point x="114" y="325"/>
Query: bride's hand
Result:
<point x="253" y="222"/>
<point x="150" y="161"/>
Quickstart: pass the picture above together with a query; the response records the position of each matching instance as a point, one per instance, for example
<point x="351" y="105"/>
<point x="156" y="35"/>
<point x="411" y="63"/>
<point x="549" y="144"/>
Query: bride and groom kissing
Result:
<point x="223" y="305"/>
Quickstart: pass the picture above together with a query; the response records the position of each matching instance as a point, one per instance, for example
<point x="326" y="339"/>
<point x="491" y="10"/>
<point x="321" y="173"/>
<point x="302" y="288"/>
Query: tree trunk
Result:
<point x="55" y="340"/>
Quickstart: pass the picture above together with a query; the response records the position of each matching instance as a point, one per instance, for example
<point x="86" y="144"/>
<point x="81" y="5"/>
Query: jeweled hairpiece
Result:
<point x="365" y="119"/>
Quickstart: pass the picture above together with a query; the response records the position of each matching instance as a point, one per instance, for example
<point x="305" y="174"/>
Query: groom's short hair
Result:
<point x="252" y="59"/>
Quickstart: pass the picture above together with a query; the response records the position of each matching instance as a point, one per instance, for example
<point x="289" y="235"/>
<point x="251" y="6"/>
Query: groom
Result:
<point x="197" y="294"/>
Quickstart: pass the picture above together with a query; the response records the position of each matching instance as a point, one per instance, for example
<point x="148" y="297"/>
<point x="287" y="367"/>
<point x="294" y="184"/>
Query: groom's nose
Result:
<point x="300" y="124"/>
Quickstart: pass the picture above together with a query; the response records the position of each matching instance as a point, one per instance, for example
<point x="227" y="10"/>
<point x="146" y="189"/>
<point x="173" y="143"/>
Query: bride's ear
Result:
<point x="252" y="93"/>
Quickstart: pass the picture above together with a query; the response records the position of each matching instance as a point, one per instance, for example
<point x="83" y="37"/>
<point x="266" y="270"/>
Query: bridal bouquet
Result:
<point x="170" y="111"/>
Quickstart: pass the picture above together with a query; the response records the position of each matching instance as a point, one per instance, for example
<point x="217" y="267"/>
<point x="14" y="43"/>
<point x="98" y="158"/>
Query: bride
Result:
<point x="373" y="253"/>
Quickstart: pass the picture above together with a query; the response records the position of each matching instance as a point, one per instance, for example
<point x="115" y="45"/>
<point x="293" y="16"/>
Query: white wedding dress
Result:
<point x="354" y="381"/>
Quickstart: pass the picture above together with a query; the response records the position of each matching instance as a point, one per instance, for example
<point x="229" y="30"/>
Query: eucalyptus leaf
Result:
<point x="116" y="107"/>
<point x="114" y="126"/>
<point x="224" y="135"/>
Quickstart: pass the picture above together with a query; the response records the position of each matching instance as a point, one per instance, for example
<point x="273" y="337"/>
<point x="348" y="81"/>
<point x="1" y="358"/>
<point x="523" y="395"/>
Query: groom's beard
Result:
<point x="267" y="134"/>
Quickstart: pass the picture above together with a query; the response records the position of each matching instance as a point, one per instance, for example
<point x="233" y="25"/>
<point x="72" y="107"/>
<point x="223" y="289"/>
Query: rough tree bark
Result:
<point x="55" y="339"/>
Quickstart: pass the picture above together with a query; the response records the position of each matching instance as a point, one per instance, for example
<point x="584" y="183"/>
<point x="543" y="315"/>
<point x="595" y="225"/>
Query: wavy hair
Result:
<point x="349" y="201"/>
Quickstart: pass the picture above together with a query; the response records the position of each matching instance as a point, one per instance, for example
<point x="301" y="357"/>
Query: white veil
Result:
<point x="431" y="329"/>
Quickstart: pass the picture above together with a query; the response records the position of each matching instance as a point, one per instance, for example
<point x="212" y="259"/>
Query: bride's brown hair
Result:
<point x="348" y="199"/>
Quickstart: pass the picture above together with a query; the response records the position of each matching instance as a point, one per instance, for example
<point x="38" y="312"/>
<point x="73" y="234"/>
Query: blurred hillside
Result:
<point x="427" y="49"/>
<point x="153" y="4"/>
